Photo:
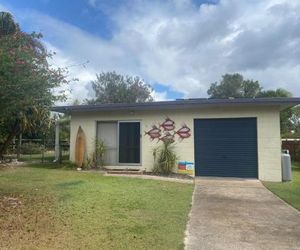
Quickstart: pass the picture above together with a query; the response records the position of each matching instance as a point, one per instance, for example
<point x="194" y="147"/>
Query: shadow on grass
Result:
<point x="53" y="165"/>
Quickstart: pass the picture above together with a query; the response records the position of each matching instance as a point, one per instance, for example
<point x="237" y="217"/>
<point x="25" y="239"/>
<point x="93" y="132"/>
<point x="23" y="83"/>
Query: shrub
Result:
<point x="96" y="158"/>
<point x="297" y="156"/>
<point x="31" y="148"/>
<point x="164" y="158"/>
<point x="100" y="152"/>
<point x="88" y="163"/>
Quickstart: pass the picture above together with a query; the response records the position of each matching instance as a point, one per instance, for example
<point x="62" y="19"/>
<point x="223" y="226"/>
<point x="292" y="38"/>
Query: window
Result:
<point x="122" y="141"/>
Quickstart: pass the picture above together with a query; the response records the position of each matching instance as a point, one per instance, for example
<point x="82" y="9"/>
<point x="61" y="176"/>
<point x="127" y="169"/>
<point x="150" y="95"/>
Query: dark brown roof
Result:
<point x="181" y="104"/>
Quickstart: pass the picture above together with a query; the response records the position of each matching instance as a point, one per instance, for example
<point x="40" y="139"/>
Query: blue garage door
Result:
<point x="226" y="147"/>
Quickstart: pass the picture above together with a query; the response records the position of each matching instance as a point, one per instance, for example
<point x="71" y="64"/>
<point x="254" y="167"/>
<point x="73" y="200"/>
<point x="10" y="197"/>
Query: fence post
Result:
<point x="43" y="150"/>
<point x="19" y="146"/>
<point x="60" y="154"/>
<point x="57" y="148"/>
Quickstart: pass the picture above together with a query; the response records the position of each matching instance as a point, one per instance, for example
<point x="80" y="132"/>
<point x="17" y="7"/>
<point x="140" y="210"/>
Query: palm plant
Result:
<point x="164" y="158"/>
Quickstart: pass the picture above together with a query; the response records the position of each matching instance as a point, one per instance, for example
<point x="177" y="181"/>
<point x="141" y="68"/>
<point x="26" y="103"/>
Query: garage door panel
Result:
<point x="226" y="147"/>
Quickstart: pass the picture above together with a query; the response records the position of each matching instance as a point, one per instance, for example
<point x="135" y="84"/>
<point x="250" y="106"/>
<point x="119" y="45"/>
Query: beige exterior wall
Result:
<point x="268" y="132"/>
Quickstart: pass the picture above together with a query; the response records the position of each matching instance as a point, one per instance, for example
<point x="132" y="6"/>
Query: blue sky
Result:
<point x="92" y="16"/>
<point x="79" y="13"/>
<point x="177" y="46"/>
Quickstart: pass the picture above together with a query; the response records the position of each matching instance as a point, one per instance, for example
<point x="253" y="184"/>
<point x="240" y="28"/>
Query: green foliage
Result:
<point x="286" y="116"/>
<point x="31" y="148"/>
<point x="165" y="158"/>
<point x="234" y="86"/>
<point x="27" y="84"/>
<point x="7" y="24"/>
<point x="96" y="159"/>
<point x="89" y="162"/>
<point x="100" y="152"/>
<point x="298" y="152"/>
<point x="295" y="120"/>
<point x="111" y="87"/>
<point x="275" y="93"/>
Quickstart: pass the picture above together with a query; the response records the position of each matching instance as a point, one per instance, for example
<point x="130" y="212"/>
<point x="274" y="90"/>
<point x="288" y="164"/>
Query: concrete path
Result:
<point x="240" y="214"/>
<point x="152" y="177"/>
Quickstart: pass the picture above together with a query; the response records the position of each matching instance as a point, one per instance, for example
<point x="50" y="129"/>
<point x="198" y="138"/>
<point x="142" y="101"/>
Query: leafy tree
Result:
<point x="111" y="87"/>
<point x="286" y="115"/>
<point x="295" y="121"/>
<point x="26" y="83"/>
<point x="7" y="24"/>
<point x="275" y="93"/>
<point x="234" y="85"/>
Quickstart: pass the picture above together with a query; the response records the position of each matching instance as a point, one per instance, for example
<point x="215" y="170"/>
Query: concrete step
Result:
<point x="124" y="171"/>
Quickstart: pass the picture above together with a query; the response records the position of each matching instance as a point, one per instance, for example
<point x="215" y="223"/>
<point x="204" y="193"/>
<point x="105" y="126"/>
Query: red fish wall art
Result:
<point x="154" y="133"/>
<point x="168" y="125"/>
<point x="167" y="137"/>
<point x="168" y="133"/>
<point x="184" y="132"/>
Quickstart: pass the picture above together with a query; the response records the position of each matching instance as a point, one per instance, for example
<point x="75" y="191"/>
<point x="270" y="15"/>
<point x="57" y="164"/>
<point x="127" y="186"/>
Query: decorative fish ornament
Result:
<point x="183" y="132"/>
<point x="167" y="137"/>
<point x="154" y="133"/>
<point x="168" y="124"/>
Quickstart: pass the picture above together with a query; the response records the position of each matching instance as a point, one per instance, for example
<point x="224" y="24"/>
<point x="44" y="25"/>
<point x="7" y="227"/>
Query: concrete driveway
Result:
<point x="240" y="214"/>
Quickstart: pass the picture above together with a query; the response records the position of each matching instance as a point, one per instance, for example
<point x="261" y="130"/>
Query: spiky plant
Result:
<point x="164" y="158"/>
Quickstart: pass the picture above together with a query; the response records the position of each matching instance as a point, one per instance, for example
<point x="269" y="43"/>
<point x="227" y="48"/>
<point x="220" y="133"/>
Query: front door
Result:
<point x="129" y="142"/>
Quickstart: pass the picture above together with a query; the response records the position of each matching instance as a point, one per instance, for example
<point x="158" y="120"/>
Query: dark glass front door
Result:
<point x="129" y="142"/>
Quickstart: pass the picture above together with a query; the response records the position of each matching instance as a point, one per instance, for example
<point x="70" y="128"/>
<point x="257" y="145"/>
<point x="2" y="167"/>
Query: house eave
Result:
<point x="282" y="103"/>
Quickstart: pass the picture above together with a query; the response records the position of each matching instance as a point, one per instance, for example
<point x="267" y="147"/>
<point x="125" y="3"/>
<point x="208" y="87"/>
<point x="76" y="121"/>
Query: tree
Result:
<point x="275" y="93"/>
<point x="295" y="121"/>
<point x="234" y="85"/>
<point x="7" y="24"/>
<point x="286" y="116"/>
<point x="111" y="87"/>
<point x="26" y="83"/>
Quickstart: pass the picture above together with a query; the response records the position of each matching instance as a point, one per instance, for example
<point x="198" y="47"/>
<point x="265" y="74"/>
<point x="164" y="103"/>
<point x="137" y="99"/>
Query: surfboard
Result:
<point x="79" y="148"/>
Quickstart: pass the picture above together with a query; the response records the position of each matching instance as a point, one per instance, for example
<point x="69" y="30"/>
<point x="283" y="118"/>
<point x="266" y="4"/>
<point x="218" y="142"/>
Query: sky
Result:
<point x="179" y="47"/>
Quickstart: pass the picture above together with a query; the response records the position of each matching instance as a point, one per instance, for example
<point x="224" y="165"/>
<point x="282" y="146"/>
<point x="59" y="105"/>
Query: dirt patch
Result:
<point x="7" y="203"/>
<point x="26" y="219"/>
<point x="11" y="164"/>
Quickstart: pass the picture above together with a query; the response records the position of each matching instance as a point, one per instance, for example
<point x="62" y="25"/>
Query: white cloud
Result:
<point x="159" y="96"/>
<point x="181" y="45"/>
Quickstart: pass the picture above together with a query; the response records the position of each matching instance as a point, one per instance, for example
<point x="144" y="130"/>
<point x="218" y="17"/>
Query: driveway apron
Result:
<point x="240" y="214"/>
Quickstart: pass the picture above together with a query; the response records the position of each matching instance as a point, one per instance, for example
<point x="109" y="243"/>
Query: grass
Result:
<point x="48" y="157"/>
<point x="288" y="191"/>
<point x="43" y="207"/>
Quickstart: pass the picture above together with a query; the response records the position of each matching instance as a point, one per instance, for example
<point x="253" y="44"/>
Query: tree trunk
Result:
<point x="8" y="140"/>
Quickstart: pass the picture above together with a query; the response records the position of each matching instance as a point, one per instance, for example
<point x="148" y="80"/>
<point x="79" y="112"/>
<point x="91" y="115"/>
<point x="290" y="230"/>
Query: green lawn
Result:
<point x="46" y="208"/>
<point x="48" y="157"/>
<point x="288" y="191"/>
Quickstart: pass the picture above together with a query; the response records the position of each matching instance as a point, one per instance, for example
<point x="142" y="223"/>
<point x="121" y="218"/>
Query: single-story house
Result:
<point x="221" y="137"/>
